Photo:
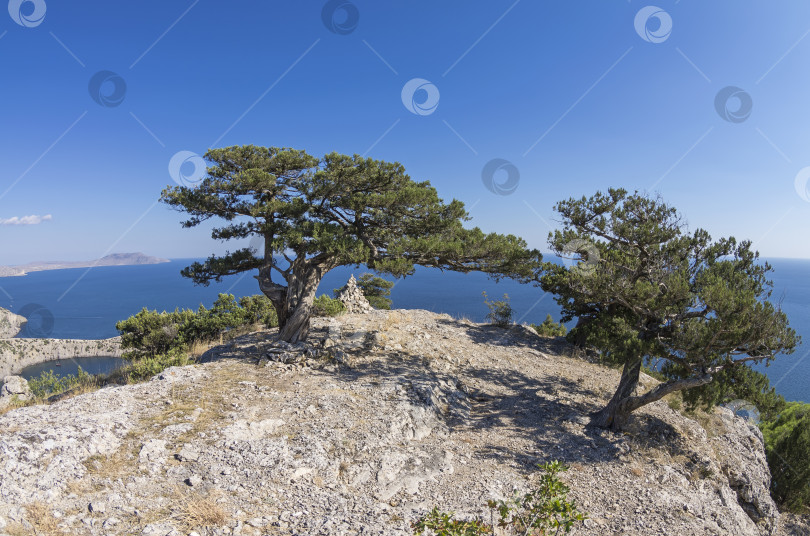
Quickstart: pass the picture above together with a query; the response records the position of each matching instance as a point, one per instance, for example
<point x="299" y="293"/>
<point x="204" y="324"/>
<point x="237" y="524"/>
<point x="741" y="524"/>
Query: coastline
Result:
<point x="16" y="354"/>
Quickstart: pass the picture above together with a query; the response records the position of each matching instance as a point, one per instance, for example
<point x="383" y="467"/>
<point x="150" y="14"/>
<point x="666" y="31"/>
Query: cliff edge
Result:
<point x="10" y="323"/>
<point x="382" y="417"/>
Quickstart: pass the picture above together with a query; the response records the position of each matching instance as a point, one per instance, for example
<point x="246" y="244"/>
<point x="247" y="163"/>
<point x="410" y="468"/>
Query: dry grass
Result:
<point x="194" y="510"/>
<point x="42" y="519"/>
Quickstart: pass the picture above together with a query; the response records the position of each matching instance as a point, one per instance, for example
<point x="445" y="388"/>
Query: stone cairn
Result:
<point x="353" y="298"/>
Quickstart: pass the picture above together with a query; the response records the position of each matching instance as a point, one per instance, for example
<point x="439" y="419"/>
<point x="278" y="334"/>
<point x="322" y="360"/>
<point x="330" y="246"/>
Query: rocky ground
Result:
<point x="388" y="415"/>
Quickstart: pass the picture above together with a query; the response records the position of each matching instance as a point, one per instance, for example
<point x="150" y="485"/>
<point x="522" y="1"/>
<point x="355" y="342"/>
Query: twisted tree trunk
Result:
<point x="615" y="414"/>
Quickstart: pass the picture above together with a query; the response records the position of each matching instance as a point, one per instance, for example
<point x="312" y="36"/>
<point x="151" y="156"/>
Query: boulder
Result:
<point x="15" y="385"/>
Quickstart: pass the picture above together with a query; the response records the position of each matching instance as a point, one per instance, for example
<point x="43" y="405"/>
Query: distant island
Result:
<point x="115" y="259"/>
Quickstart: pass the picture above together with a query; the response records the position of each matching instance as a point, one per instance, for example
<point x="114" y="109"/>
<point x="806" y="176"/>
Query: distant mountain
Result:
<point x="115" y="259"/>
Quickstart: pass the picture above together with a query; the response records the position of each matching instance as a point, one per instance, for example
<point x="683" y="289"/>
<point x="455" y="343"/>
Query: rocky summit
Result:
<point x="376" y="420"/>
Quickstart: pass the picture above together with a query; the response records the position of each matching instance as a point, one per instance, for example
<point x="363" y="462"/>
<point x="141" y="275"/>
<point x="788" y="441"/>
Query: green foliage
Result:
<point x="537" y="512"/>
<point x="149" y="333"/>
<point x="48" y="383"/>
<point x="326" y="306"/>
<point x="443" y="524"/>
<point x="787" y="446"/>
<point x="654" y="290"/>
<point x="738" y="383"/>
<point x="500" y="311"/>
<point x="376" y="290"/>
<point x="144" y="368"/>
<point x="542" y="509"/>
<point x="550" y="328"/>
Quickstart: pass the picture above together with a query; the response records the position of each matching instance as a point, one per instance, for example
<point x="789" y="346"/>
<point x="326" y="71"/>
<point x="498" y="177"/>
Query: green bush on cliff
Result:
<point x="144" y="368"/>
<point x="550" y="328"/>
<point x="500" y="311"/>
<point x="787" y="446"/>
<point x="150" y="334"/>
<point x="376" y="290"/>
<point x="48" y="383"/>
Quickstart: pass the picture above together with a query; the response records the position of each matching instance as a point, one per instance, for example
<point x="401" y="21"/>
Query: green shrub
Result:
<point x="787" y="446"/>
<point x="326" y="306"/>
<point x="550" y="328"/>
<point x="149" y="333"/>
<point x="48" y="383"/>
<point x="500" y="311"/>
<point x="144" y="368"/>
<point x="544" y="510"/>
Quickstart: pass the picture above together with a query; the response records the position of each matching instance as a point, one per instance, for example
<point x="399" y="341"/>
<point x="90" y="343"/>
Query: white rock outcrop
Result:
<point x="353" y="298"/>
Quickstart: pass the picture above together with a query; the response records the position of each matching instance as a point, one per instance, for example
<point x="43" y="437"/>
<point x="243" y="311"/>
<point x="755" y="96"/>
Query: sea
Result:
<point x="83" y="303"/>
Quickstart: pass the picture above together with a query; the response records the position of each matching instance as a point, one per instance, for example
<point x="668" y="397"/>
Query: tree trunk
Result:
<point x="277" y="294"/>
<point x="301" y="287"/>
<point x="616" y="413"/>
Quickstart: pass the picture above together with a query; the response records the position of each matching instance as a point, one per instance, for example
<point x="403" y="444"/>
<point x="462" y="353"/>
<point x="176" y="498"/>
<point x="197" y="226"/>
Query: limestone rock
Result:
<point x="15" y="386"/>
<point x="353" y="298"/>
<point x="10" y="323"/>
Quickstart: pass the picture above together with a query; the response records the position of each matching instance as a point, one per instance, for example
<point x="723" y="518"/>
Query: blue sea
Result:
<point x="85" y="304"/>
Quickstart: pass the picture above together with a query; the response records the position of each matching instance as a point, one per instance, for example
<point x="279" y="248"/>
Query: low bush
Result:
<point x="787" y="447"/>
<point x="550" y="328"/>
<point x="48" y="383"/>
<point x="326" y="306"/>
<point x="144" y="368"/>
<point x="543" y="510"/>
<point x="500" y="311"/>
<point x="150" y="334"/>
<point x="376" y="290"/>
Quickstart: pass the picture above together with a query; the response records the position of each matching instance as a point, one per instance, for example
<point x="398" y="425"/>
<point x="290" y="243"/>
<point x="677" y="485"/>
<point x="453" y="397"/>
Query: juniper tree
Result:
<point x="651" y="290"/>
<point x="315" y="214"/>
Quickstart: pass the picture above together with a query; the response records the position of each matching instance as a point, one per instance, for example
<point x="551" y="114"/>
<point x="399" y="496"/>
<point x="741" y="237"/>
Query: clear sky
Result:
<point x="565" y="97"/>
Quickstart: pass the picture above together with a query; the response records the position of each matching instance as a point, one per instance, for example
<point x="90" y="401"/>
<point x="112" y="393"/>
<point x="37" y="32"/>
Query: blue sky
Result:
<point x="571" y="97"/>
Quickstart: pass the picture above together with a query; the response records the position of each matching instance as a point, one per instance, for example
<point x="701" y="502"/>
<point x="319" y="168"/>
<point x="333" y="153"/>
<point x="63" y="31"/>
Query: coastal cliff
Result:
<point x="16" y="354"/>
<point x="10" y="323"/>
<point x="114" y="259"/>
<point x="376" y="420"/>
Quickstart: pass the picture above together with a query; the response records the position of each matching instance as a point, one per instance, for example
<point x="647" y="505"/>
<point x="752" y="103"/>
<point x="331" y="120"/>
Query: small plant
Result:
<point x="323" y="305"/>
<point x="550" y="328"/>
<point x="542" y="509"/>
<point x="500" y="311"/>
<point x="443" y="524"/>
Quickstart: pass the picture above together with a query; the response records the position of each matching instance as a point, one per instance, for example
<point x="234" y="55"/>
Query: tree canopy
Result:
<point x="315" y="214"/>
<point x="653" y="291"/>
